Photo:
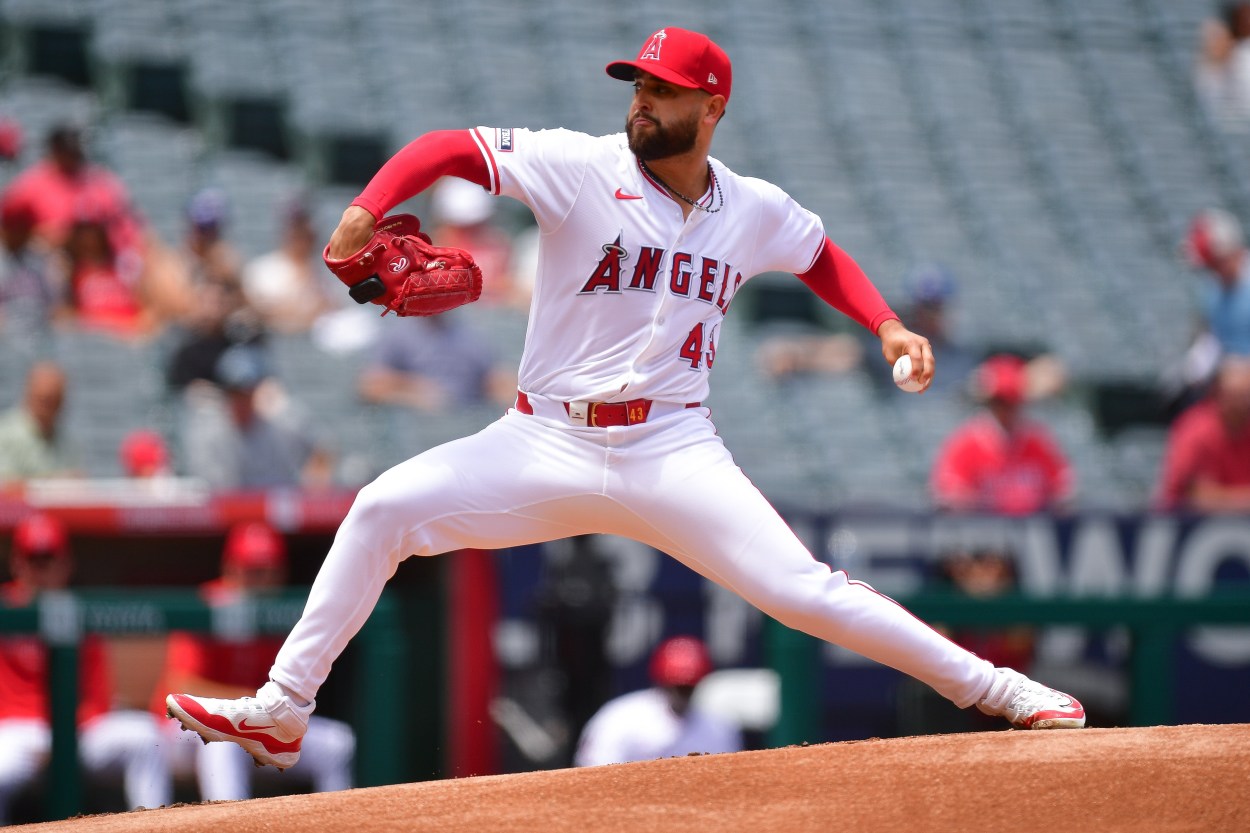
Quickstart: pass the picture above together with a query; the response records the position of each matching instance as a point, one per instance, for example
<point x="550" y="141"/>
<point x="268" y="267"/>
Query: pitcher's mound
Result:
<point x="1166" y="778"/>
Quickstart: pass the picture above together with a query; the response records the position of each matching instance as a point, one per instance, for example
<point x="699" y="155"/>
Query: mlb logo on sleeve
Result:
<point x="503" y="139"/>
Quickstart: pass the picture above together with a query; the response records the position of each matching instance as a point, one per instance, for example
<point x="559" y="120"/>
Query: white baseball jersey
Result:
<point x="641" y="726"/>
<point x="629" y="294"/>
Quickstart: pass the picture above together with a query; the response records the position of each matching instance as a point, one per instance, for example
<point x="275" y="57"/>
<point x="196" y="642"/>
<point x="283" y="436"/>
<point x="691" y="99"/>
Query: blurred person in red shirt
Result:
<point x="254" y="563"/>
<point x="999" y="460"/>
<point x="126" y="742"/>
<point x="104" y="291"/>
<point x="65" y="185"/>
<point x="1206" y="467"/>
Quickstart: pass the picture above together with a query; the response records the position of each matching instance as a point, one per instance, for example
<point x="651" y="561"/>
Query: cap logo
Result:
<point x="711" y="78"/>
<point x="651" y="52"/>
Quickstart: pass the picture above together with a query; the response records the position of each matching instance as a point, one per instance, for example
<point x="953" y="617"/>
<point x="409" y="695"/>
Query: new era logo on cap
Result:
<point x="681" y="57"/>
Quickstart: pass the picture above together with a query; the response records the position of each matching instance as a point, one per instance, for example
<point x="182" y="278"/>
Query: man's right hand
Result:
<point x="354" y="231"/>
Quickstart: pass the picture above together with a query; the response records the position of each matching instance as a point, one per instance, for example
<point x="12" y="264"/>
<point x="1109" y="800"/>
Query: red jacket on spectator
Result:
<point x="983" y="467"/>
<point x="1202" y="448"/>
<point x="59" y="199"/>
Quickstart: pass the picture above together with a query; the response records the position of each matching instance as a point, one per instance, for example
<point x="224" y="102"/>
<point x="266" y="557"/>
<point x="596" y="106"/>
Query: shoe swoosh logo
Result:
<point x="621" y="195"/>
<point x="243" y="724"/>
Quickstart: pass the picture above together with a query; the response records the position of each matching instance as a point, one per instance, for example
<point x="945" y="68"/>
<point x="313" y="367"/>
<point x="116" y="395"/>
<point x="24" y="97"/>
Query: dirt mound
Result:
<point x="1166" y="778"/>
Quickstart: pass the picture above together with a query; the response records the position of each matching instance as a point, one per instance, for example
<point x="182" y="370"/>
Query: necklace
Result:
<point x="720" y="198"/>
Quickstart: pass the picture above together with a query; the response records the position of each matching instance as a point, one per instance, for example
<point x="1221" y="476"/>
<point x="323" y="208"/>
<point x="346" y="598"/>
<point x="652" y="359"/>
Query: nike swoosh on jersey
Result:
<point x="621" y="195"/>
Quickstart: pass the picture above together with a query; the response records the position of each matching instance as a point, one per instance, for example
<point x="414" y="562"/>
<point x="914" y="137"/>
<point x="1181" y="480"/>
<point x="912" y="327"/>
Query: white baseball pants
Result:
<point x="668" y="483"/>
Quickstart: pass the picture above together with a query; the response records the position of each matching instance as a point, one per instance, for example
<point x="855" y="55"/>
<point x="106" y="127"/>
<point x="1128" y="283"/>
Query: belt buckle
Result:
<point x="580" y="412"/>
<point x="592" y="418"/>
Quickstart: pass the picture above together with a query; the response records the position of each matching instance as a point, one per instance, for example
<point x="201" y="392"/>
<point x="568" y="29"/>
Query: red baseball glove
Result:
<point x="401" y="270"/>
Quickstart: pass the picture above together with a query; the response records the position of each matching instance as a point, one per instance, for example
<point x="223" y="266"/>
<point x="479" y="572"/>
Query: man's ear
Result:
<point x="715" y="108"/>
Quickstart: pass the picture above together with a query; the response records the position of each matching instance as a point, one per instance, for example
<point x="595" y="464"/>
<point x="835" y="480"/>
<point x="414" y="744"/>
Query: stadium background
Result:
<point x="1050" y="154"/>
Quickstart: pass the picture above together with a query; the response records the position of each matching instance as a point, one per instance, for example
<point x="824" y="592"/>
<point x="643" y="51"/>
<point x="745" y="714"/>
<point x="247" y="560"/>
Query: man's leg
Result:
<point x="517" y="481"/>
<point x="689" y="499"/>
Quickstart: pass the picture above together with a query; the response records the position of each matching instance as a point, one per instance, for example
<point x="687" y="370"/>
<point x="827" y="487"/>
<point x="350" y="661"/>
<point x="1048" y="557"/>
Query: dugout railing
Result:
<point x="62" y="618"/>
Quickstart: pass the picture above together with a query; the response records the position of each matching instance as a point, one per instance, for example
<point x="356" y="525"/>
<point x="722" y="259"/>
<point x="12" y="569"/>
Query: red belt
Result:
<point x="601" y="414"/>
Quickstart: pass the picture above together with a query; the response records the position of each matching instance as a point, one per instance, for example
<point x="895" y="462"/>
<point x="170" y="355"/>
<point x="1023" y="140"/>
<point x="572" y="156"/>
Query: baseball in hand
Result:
<point x="902" y="375"/>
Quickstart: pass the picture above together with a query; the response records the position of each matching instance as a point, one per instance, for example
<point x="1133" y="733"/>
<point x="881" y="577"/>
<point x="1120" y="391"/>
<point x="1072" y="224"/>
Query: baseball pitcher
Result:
<point x="646" y="241"/>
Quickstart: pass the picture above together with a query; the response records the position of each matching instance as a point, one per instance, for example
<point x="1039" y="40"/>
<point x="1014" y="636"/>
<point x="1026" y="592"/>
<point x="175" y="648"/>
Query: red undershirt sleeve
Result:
<point x="416" y="167"/>
<point x="839" y="282"/>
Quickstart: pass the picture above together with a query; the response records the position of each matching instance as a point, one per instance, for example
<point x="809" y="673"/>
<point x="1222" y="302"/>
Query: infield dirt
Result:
<point x="1164" y="778"/>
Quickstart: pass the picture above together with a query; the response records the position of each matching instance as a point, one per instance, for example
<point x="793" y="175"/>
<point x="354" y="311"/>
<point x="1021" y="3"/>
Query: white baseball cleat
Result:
<point x="1029" y="704"/>
<point x="244" y="721"/>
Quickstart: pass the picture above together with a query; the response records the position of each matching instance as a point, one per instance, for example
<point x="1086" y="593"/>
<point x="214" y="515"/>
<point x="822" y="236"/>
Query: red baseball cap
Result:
<point x="1003" y="377"/>
<point x="680" y="661"/>
<point x="40" y="534"/>
<point x="254" y="545"/>
<point x="1214" y="234"/>
<point x="144" y="453"/>
<point x="681" y="57"/>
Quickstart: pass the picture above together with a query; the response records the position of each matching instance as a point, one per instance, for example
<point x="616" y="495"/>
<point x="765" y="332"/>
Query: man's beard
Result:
<point x="662" y="142"/>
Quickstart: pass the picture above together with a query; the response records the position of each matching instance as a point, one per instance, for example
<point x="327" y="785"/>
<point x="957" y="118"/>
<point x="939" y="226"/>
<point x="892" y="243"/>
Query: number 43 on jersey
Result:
<point x="698" y="347"/>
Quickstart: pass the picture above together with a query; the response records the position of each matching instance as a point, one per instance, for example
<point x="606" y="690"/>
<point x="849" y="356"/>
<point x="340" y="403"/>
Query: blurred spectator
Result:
<point x="64" y="186"/>
<point x="787" y="354"/>
<point x="433" y="364"/>
<point x="463" y="216"/>
<point x="242" y="433"/>
<point x="205" y="258"/>
<point x="253" y="565"/>
<point x="123" y="742"/>
<point x="1222" y="71"/>
<point x="219" y="319"/>
<point x="999" y="460"/>
<point x="28" y="291"/>
<point x="931" y="289"/>
<point x="290" y="286"/>
<point x="1206" y="467"/>
<point x="103" y="290"/>
<point x="143" y="453"/>
<point x="1215" y="245"/>
<point x="32" y="443"/>
<point x="661" y="721"/>
<point x="211" y="257"/>
<point x="981" y="574"/>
